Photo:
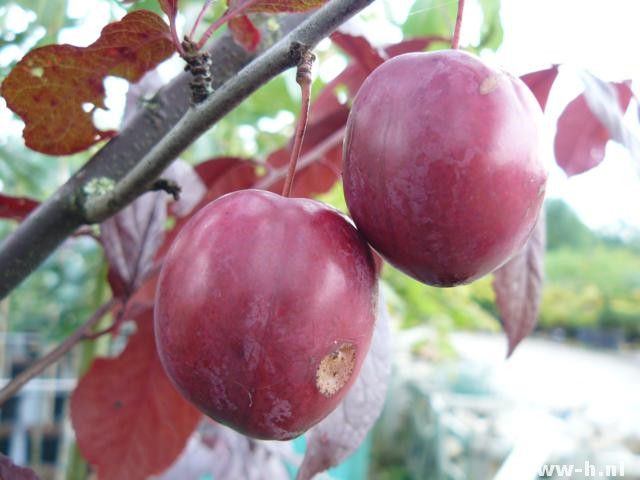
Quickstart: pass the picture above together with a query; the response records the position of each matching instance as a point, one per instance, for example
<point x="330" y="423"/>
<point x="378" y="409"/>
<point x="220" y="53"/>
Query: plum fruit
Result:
<point x="442" y="165"/>
<point x="264" y="311"/>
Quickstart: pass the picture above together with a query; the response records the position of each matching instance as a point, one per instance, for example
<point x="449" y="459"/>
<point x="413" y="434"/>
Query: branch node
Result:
<point x="199" y="65"/>
<point x="166" y="185"/>
<point x="297" y="51"/>
<point x="305" y="67"/>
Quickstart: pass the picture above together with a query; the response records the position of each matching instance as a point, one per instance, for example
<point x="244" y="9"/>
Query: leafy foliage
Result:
<point x="10" y="471"/>
<point x="564" y="228"/>
<point x="540" y="83"/>
<point x="16" y="208"/>
<point x="277" y="6"/>
<point x="587" y="124"/>
<point x="340" y="434"/>
<point x="518" y="286"/>
<point x="50" y="86"/>
<point x="245" y="32"/>
<point x="129" y="420"/>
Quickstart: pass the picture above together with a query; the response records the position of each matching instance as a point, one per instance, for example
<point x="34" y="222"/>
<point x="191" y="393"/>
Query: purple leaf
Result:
<point x="518" y="287"/>
<point x="341" y="433"/>
<point x="225" y="454"/>
<point x="589" y="121"/>
<point x="608" y="102"/>
<point x="11" y="471"/>
<point x="540" y="83"/>
<point x="131" y="239"/>
<point x="359" y="48"/>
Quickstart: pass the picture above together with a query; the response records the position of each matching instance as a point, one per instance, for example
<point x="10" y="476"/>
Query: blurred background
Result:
<point x="456" y="409"/>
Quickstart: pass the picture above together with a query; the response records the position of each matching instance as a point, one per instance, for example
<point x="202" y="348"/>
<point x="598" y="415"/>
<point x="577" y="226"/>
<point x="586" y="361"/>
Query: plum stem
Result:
<point x="230" y="14"/>
<point x="303" y="78"/>
<point x="455" y="42"/>
<point x="201" y="15"/>
<point x="174" y="34"/>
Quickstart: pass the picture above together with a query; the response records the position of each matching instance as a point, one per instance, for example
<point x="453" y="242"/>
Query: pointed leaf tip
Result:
<point x="518" y="287"/>
<point x="540" y="83"/>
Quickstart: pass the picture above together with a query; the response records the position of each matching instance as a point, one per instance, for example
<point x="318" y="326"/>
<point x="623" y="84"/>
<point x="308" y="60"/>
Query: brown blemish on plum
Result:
<point x="335" y="369"/>
<point x="489" y="84"/>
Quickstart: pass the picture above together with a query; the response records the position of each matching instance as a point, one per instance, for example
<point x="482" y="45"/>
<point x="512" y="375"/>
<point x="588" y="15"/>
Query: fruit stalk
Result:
<point x="303" y="78"/>
<point x="456" y="32"/>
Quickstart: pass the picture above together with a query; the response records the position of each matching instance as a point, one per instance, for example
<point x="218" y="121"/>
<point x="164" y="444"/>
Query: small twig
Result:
<point x="303" y="78"/>
<point x="455" y="42"/>
<point x="174" y="34"/>
<point x="44" y="230"/>
<point x="196" y="121"/>
<point x="166" y="185"/>
<point x="11" y="388"/>
<point x="228" y="15"/>
<point x="204" y="9"/>
<point x="310" y="157"/>
<point x="199" y="65"/>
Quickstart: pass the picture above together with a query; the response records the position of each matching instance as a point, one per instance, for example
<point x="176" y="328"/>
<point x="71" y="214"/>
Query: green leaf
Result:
<point x="435" y="17"/>
<point x="491" y="33"/>
<point x="430" y="17"/>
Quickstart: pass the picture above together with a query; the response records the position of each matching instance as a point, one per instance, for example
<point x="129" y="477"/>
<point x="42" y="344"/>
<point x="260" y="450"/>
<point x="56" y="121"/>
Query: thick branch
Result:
<point x="56" y="219"/>
<point x="282" y="56"/>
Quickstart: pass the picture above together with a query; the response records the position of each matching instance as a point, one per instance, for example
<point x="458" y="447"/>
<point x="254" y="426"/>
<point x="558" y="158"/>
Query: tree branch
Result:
<point x="282" y="56"/>
<point x="57" y="218"/>
<point x="36" y="368"/>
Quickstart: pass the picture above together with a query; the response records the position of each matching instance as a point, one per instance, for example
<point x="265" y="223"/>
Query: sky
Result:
<point x="603" y="38"/>
<point x="598" y="36"/>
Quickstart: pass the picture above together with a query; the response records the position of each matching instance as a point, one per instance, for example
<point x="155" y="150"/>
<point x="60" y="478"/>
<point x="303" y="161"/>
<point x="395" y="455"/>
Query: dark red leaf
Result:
<point x="170" y="7"/>
<point x="16" y="208"/>
<point x="244" y="32"/>
<point x="589" y="122"/>
<point x="417" y="44"/>
<point x="518" y="287"/>
<point x="277" y="6"/>
<point x="131" y="239"/>
<point x="130" y="421"/>
<point x="341" y="433"/>
<point x="540" y="83"/>
<point x="603" y="99"/>
<point x="320" y="162"/>
<point x="327" y="102"/>
<point x="359" y="48"/>
<point x="51" y="86"/>
<point x="224" y="175"/>
<point x="11" y="471"/>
